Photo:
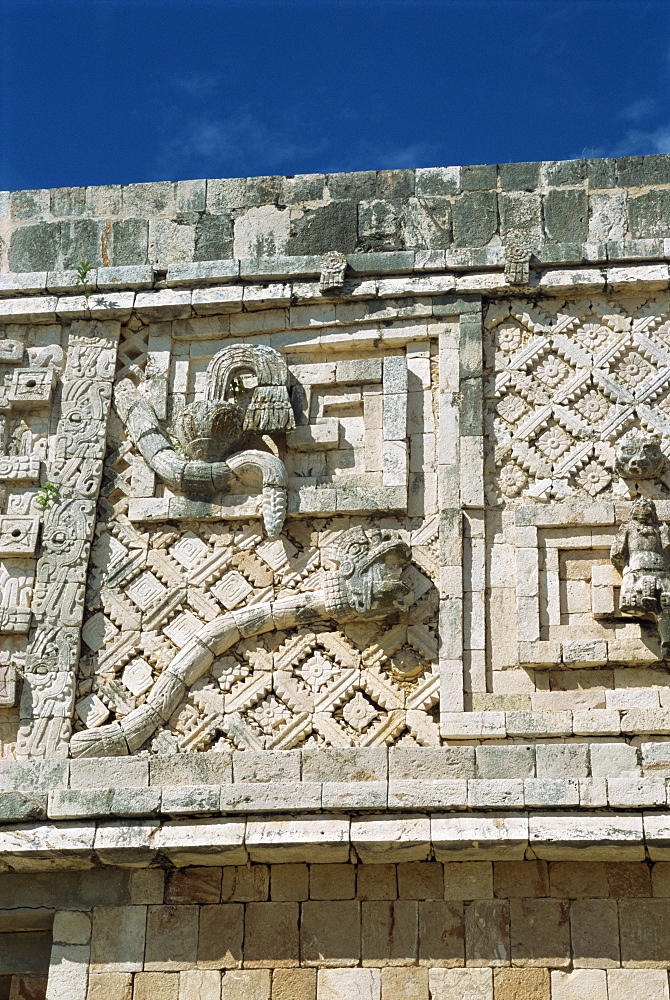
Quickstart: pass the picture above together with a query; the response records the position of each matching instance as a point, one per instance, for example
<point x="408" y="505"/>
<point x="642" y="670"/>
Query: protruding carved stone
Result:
<point x="639" y="455"/>
<point x="333" y="267"/>
<point x="641" y="551"/>
<point x="517" y="261"/>
<point x="209" y="430"/>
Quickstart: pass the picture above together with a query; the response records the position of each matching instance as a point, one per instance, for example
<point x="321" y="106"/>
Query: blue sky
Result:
<point x="119" y="91"/>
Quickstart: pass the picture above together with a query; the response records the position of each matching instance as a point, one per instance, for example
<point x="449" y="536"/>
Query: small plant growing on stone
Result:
<point x="83" y="269"/>
<point x="46" y="495"/>
<point x="236" y="386"/>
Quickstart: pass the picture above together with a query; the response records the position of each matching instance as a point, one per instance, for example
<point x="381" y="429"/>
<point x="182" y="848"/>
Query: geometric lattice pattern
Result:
<point x="565" y="386"/>
<point x="365" y="684"/>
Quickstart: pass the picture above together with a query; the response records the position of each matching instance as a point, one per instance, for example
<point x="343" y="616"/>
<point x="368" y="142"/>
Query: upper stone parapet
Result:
<point x="168" y="223"/>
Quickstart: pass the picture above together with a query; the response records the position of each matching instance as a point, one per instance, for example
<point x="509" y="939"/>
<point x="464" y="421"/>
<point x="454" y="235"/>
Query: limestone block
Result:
<point x="405" y="984"/>
<point x="630" y="984"/>
<point x="220" y="936"/>
<point x="172" y="938"/>
<point x="377" y="882"/>
<point x="596" y="837"/>
<point x="389" y="932"/>
<point x="632" y="791"/>
<point x="245" y="883"/>
<point x="191" y="769"/>
<point x="391" y="838"/>
<point x="33" y="775"/>
<point x="478" y="837"/>
<point x="193" y="885"/>
<point x="495" y="761"/>
<point x="345" y="764"/>
<point x="613" y="759"/>
<point x="431" y="763"/>
<point x="645" y="933"/>
<point x="347" y="984"/>
<point x="455" y="984"/>
<point x="205" y="985"/>
<point x="487" y="933"/>
<point x="156" y="986"/>
<point x="271" y="935"/>
<point x="562" y="760"/>
<point x="68" y="972"/>
<point x="595" y="933"/>
<point x="147" y="886"/>
<point x="542" y="793"/>
<point x="441" y="933"/>
<point x="117" y="938"/>
<point x="202" y="842"/>
<point x="294" y="984"/>
<point x="540" y="932"/>
<point x="67" y="845"/>
<point x="315" y="437"/>
<point x="642" y="276"/>
<point x="110" y="986"/>
<point x="520" y="878"/>
<point x="299" y="838"/>
<point x="581" y="984"/>
<point x="132" y="841"/>
<point x="420" y="880"/>
<point x="330" y="933"/>
<point x="407" y="794"/>
<point x="289" y="882"/>
<point x="352" y="795"/>
<point x="71" y="927"/>
<point x="578" y="879"/>
<point x="332" y="881"/>
<point x="468" y="880"/>
<point x="185" y="799"/>
<point x="599" y="723"/>
<point x="655" y="757"/>
<point x="495" y="793"/>
<point x="657" y="835"/>
<point x="521" y="984"/>
<point x="250" y="984"/>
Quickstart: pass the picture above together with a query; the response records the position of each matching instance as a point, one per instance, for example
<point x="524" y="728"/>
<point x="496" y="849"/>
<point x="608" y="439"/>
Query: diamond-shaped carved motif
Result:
<point x="567" y="385"/>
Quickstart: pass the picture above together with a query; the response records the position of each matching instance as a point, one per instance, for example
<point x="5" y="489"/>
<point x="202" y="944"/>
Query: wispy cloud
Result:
<point x="638" y="142"/>
<point x="198" y="85"/>
<point x="636" y="112"/>
<point x="236" y="141"/>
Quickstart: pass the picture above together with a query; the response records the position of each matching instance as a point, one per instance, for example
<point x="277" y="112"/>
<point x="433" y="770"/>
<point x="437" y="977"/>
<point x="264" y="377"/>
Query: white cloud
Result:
<point x="637" y="142"/>
<point x="636" y="112"/>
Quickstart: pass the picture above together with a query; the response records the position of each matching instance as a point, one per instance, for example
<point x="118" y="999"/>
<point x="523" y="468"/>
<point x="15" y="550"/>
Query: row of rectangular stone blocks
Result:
<point x="482" y="933"/>
<point x="363" y="984"/>
<point x="384" y="984"/>
<point x="421" y="880"/>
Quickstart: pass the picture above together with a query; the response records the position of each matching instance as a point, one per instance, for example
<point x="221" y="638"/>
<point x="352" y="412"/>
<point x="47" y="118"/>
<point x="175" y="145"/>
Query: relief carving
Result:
<point x="209" y="431"/>
<point x="365" y="585"/>
<point x="641" y="553"/>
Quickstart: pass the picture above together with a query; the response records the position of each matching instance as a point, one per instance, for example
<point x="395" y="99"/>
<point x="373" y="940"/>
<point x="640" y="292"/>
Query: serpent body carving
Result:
<point x="209" y="430"/>
<point x="366" y="585"/>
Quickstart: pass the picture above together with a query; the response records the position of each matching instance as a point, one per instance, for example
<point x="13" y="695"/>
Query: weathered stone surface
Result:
<point x="349" y="984"/>
<point x="247" y="984"/>
<point x="581" y="984"/>
<point x="446" y="984"/>
<point x="521" y="984"/>
<point x="221" y="933"/>
<point x="294" y="984"/>
<point x="172" y="938"/>
<point x="475" y="218"/>
<point x="271" y="935"/>
<point x="487" y="933"/>
<point x="117" y="938"/>
<point x="330" y="933"/>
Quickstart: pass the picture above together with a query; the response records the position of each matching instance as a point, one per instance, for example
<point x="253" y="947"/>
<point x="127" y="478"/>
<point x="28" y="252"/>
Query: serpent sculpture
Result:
<point x="209" y="430"/>
<point x="365" y="585"/>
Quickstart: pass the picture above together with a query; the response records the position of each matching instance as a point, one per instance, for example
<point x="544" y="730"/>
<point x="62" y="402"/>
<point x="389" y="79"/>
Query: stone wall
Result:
<point x="335" y="587"/>
<point x="526" y="930"/>
<point x="161" y="224"/>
